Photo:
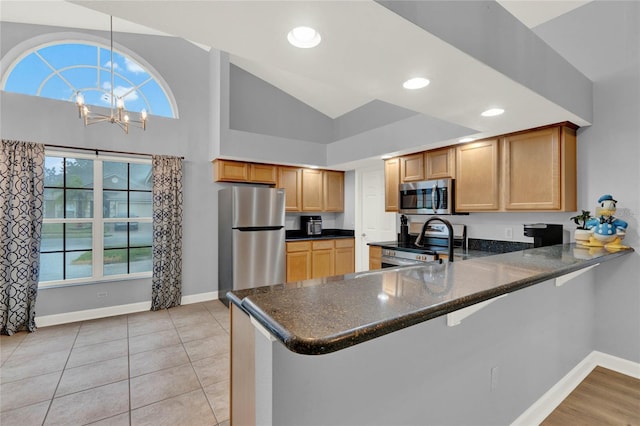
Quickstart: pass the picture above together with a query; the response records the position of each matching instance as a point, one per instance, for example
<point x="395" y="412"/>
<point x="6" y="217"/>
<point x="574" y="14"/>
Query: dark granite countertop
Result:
<point x="328" y="314"/>
<point x="327" y="234"/>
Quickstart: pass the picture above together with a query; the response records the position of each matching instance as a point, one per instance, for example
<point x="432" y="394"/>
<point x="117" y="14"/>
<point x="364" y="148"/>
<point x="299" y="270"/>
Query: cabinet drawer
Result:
<point x="323" y="245"/>
<point x="344" y="242"/>
<point x="298" y="246"/>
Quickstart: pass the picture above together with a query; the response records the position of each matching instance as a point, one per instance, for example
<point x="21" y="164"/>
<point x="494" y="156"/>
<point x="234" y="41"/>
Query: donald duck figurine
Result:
<point x="607" y="230"/>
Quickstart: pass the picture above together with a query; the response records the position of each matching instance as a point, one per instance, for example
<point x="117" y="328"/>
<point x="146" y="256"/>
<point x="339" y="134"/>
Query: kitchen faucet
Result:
<point x="449" y="237"/>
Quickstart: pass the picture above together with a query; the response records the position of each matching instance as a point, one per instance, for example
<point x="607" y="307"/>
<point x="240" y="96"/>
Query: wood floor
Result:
<point x="604" y="397"/>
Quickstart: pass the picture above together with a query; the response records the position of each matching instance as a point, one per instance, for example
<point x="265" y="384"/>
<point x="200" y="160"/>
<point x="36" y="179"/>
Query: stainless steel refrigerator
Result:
<point x="251" y="238"/>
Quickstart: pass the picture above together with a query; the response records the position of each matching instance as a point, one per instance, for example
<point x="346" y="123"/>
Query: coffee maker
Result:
<point x="544" y="234"/>
<point x="311" y="225"/>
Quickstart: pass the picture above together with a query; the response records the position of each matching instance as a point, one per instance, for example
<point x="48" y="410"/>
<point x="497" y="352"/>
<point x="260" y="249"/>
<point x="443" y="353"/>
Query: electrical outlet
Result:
<point x="494" y="377"/>
<point x="508" y="232"/>
<point x="102" y="294"/>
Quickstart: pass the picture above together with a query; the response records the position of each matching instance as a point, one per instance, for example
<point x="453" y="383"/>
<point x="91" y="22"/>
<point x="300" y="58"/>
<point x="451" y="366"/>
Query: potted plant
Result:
<point x="582" y="233"/>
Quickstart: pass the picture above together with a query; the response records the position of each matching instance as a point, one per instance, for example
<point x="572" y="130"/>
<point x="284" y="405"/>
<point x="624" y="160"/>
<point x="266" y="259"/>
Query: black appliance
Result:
<point x="311" y="225"/>
<point x="544" y="234"/>
<point x="427" y="197"/>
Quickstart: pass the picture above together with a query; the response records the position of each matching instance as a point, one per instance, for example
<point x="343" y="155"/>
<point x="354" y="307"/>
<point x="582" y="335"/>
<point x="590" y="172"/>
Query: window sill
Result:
<point x="90" y="281"/>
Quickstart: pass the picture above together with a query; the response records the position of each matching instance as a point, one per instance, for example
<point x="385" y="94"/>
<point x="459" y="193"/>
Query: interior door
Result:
<point x="374" y="224"/>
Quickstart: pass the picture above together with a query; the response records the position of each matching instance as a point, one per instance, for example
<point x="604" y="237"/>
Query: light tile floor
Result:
<point x="167" y="367"/>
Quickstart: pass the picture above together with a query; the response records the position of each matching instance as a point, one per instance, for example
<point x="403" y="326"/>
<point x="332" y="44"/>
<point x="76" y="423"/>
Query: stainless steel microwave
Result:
<point x="427" y="197"/>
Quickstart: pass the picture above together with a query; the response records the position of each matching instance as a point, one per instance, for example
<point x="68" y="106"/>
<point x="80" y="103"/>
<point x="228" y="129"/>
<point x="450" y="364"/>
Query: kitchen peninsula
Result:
<point x="387" y="355"/>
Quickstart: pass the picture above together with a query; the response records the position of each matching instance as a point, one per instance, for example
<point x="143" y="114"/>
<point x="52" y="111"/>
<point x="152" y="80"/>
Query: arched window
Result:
<point x="60" y="70"/>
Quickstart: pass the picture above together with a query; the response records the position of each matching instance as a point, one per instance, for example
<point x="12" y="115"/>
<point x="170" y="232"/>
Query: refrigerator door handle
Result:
<point x="258" y="228"/>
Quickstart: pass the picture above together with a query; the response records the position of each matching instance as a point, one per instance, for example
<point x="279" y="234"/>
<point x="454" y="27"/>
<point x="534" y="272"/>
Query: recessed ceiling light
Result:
<point x="466" y="139"/>
<point x="304" y="37"/>
<point x="416" y="83"/>
<point x="492" y="112"/>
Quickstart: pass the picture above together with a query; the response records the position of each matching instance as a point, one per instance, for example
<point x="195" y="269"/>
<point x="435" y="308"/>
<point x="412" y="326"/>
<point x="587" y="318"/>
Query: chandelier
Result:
<point x="117" y="113"/>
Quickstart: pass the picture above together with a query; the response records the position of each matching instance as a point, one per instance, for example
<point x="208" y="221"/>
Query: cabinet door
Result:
<point x="345" y="261"/>
<point x="532" y="172"/>
<point x="298" y="260"/>
<point x="440" y="163"/>
<point x="231" y="171"/>
<point x="375" y="257"/>
<point x="322" y="259"/>
<point x="290" y="179"/>
<point x="263" y="173"/>
<point x="391" y="182"/>
<point x="477" y="176"/>
<point x="412" y="168"/>
<point x="333" y="191"/>
<point x="312" y="196"/>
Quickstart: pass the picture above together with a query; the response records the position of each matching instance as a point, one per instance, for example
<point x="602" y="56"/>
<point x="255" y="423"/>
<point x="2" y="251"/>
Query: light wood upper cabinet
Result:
<point x="333" y="190"/>
<point x="345" y="259"/>
<point x="290" y="179"/>
<point x="477" y="166"/>
<point x="263" y="173"/>
<point x="539" y="169"/>
<point x="440" y="163"/>
<point x="230" y="171"/>
<point x="391" y="182"/>
<point x="412" y="168"/>
<point x="312" y="195"/>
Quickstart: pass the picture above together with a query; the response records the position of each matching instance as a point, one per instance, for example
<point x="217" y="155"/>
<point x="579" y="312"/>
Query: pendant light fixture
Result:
<point x="117" y="113"/>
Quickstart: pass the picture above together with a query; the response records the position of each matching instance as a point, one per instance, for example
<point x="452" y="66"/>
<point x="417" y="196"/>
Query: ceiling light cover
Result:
<point x="492" y="112"/>
<point x="416" y="83"/>
<point x="304" y="37"/>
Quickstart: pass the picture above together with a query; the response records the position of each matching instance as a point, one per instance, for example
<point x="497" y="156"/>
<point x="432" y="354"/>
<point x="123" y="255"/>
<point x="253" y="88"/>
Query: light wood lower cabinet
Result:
<point x="345" y="262"/>
<point x="375" y="257"/>
<point x="320" y="258"/>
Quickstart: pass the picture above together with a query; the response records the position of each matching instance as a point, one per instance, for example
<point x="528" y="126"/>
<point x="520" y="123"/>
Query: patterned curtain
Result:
<point x="21" y="210"/>
<point x="167" y="232"/>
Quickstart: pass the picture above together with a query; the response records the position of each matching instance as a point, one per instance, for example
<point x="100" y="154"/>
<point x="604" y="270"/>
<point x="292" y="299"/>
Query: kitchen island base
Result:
<point x="487" y="370"/>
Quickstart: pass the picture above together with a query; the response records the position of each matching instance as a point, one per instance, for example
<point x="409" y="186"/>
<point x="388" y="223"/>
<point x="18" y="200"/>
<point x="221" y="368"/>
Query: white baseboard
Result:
<point x="548" y="402"/>
<point x="110" y="311"/>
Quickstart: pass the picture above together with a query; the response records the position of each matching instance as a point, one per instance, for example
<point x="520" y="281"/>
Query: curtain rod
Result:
<point x="108" y="151"/>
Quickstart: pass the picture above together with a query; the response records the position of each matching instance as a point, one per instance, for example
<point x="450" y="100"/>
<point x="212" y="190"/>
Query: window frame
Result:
<point x="23" y="49"/>
<point x="98" y="221"/>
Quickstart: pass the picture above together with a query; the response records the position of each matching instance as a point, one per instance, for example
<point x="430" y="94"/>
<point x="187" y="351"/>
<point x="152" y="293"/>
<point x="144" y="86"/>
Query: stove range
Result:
<point x="435" y="241"/>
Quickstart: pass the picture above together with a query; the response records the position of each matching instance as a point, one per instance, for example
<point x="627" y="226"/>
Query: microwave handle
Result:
<point x="435" y="198"/>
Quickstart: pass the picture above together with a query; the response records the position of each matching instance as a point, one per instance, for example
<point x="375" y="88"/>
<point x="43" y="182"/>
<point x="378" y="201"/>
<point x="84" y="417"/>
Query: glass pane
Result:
<point x="140" y="177"/>
<point x="129" y="69"/>
<point x="70" y="54"/>
<point x="140" y="204"/>
<point x="114" y="204"/>
<point x="115" y="261"/>
<point x="50" y="267"/>
<point x="79" y="203"/>
<point x="53" y="203"/>
<point x="53" y="170"/>
<point x="79" y="236"/>
<point x="51" y="237"/>
<point x="79" y="173"/>
<point x="140" y="234"/>
<point x="27" y="75"/>
<point x="115" y="234"/>
<point x="82" y="78"/>
<point x="55" y="88"/>
<point x="114" y="175"/>
<point x="158" y="102"/>
<point x="141" y="259"/>
<point x="79" y="264"/>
